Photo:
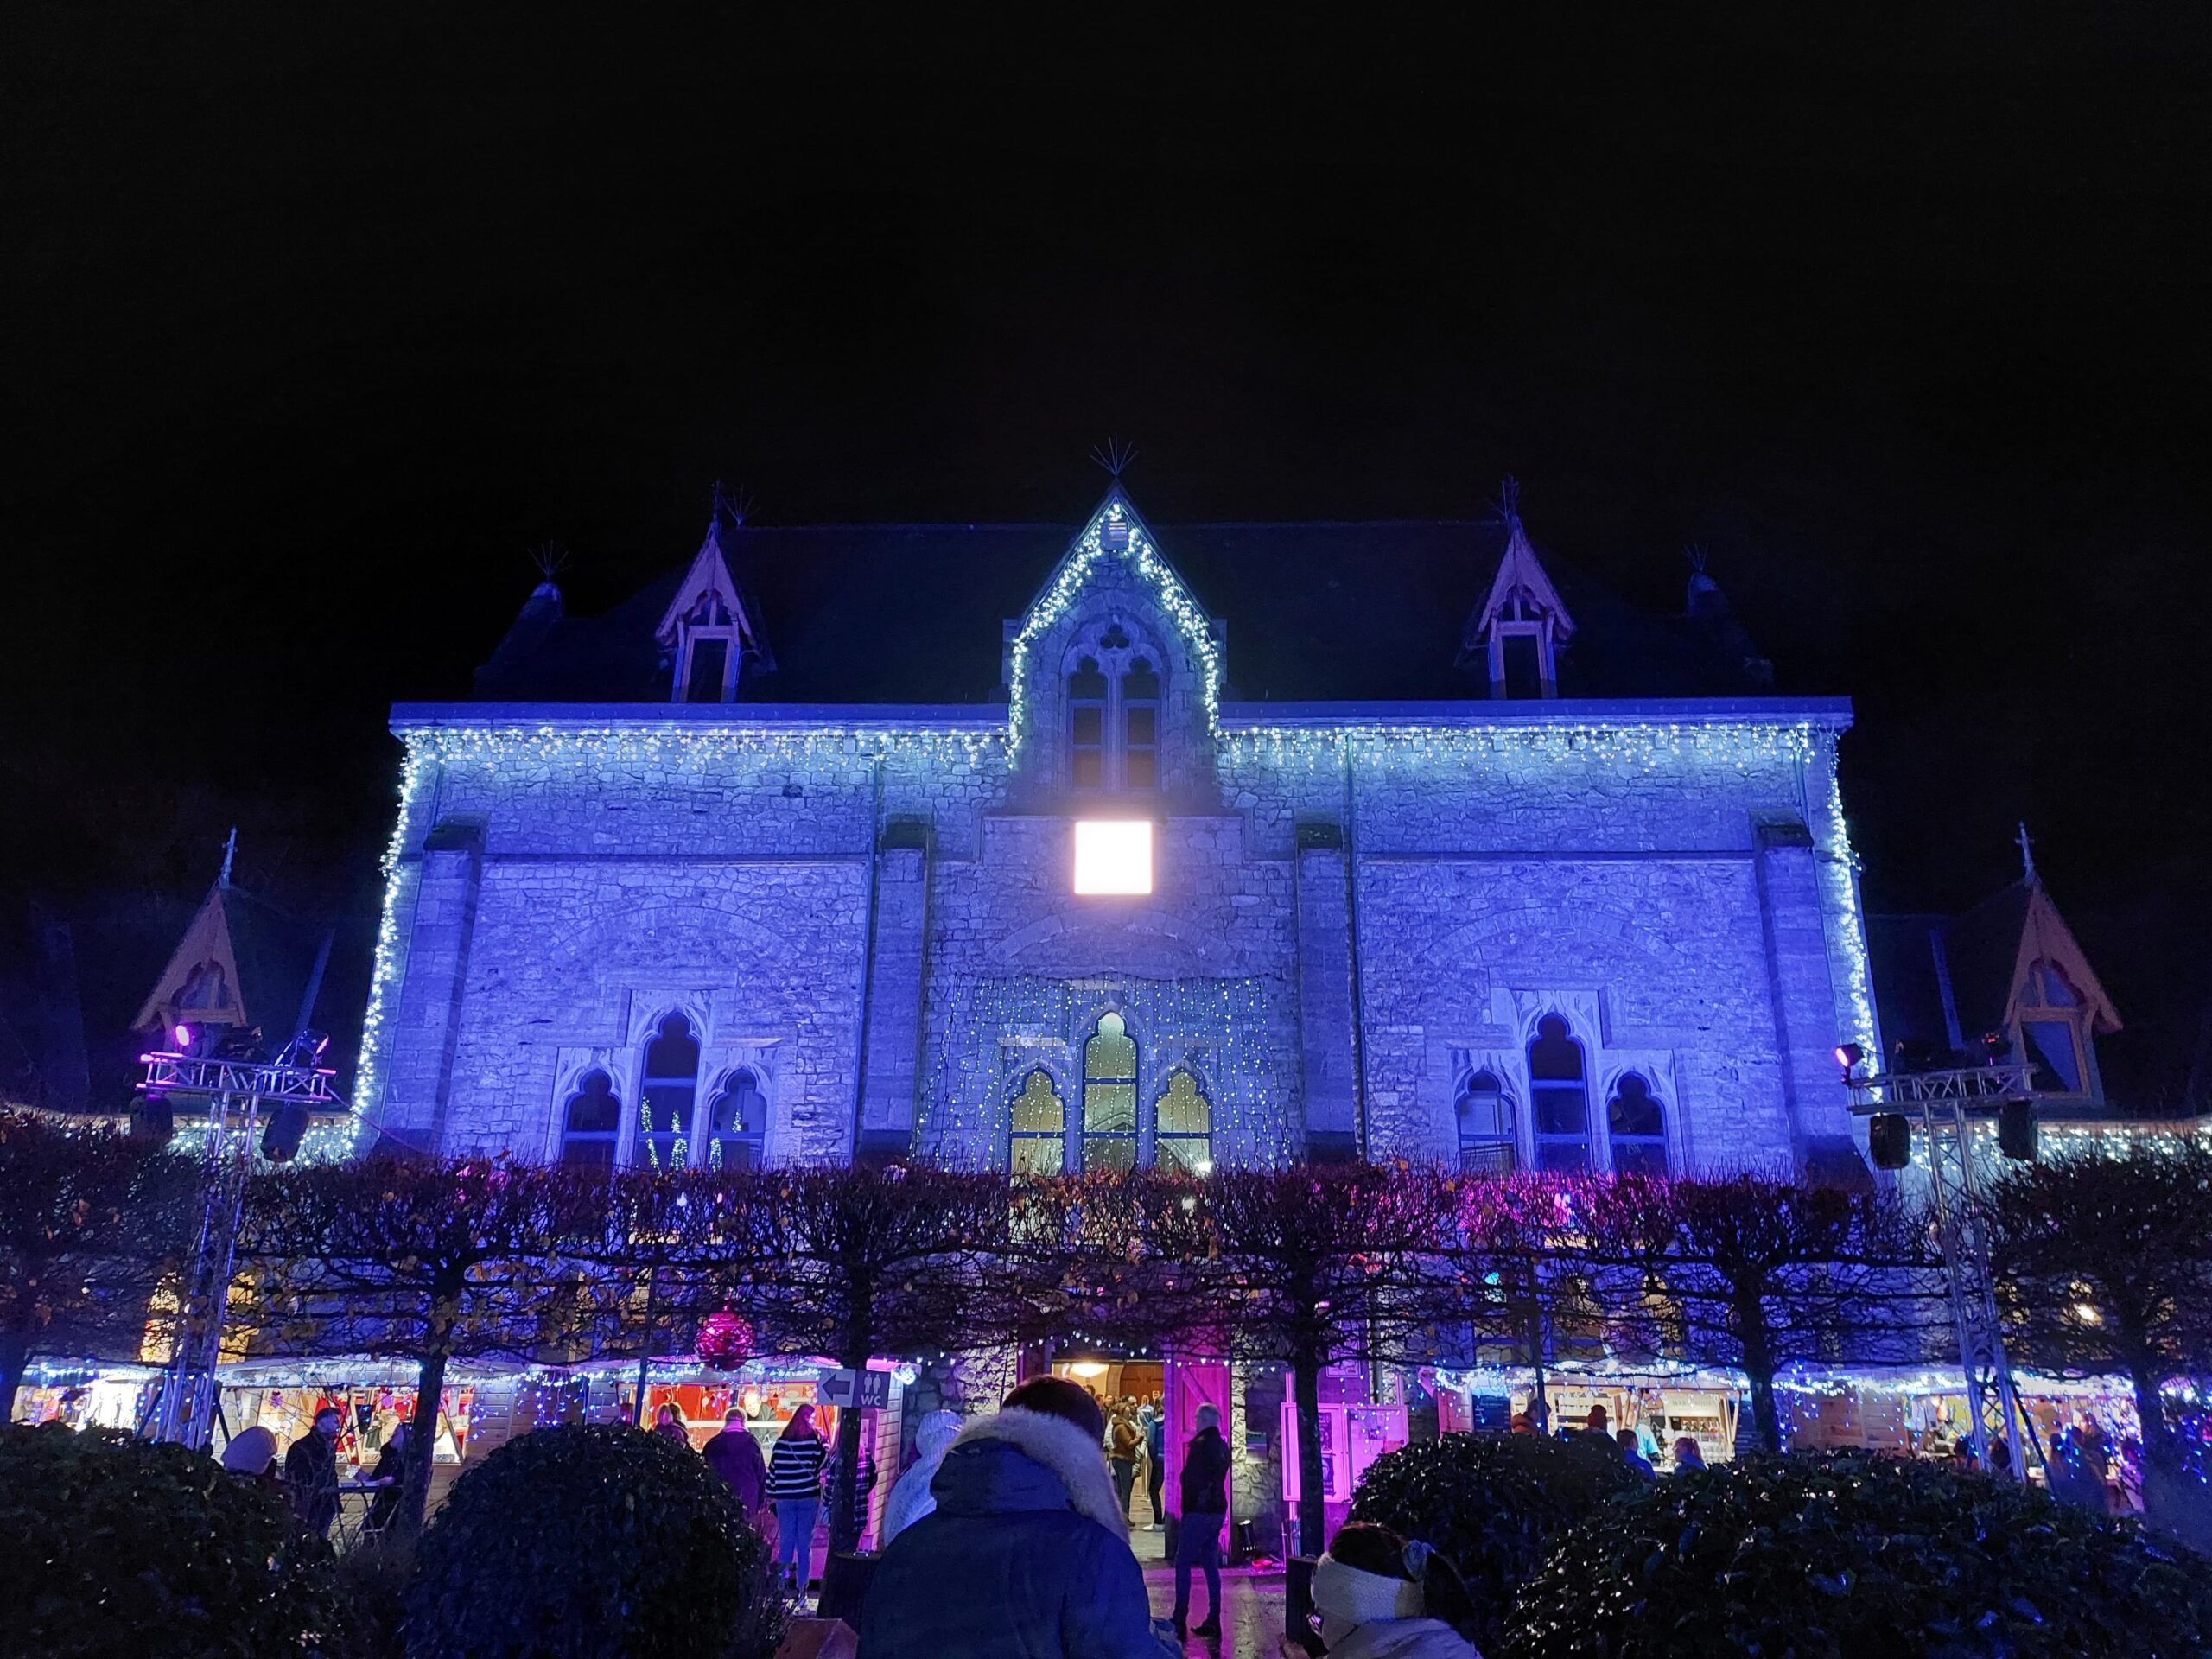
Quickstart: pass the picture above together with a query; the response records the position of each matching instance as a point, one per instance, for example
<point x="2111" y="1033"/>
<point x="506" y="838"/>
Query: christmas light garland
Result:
<point x="1068" y="582"/>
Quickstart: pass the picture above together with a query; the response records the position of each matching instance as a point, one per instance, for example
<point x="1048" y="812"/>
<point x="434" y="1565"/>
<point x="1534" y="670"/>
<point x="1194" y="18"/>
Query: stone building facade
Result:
<point x="637" y="911"/>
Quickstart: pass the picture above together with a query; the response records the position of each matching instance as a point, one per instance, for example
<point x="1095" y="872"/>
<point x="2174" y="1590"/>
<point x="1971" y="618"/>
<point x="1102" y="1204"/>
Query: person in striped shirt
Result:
<point x="795" y="1488"/>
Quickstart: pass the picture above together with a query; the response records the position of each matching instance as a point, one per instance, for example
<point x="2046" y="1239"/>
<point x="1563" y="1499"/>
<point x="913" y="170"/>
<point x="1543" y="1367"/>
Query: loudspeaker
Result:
<point x="2016" y="1131"/>
<point x="281" y="1140"/>
<point x="1888" y="1138"/>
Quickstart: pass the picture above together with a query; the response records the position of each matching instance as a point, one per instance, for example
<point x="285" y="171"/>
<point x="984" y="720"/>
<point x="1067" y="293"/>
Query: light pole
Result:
<point x="1947" y="1104"/>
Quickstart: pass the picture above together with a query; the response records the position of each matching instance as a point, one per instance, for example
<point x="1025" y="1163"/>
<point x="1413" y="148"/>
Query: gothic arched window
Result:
<point x="739" y="1124"/>
<point x="1488" y="1145"/>
<point x="669" y="1095"/>
<point x="1140" y="726"/>
<point x="1558" y="1099"/>
<point x="1182" y="1135"/>
<point x="591" y="1123"/>
<point x="1039" y="1141"/>
<point x="1110" y="1097"/>
<point x="2053" y="1033"/>
<point x="1087" y="725"/>
<point x="709" y="643"/>
<point x="1636" y="1125"/>
<point x="205" y="987"/>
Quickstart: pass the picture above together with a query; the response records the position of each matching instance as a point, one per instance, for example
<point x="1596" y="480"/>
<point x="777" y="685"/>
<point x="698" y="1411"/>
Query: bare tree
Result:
<point x="91" y="1222"/>
<point x="673" y="1243"/>
<point x="431" y="1259"/>
<point x="2103" y="1262"/>
<point x="1309" y="1265"/>
<point x="865" y="1262"/>
<point x="1754" y="1271"/>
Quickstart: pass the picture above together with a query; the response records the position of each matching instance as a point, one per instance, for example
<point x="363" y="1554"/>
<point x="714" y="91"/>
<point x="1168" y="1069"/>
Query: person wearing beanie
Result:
<point x="911" y="1498"/>
<point x="1376" y="1596"/>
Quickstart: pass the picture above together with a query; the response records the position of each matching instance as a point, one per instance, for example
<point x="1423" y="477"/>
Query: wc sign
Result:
<point x="869" y="1390"/>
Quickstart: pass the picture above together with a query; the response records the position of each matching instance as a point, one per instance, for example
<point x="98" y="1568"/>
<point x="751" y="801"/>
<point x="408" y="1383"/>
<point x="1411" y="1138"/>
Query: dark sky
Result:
<point x="317" y="318"/>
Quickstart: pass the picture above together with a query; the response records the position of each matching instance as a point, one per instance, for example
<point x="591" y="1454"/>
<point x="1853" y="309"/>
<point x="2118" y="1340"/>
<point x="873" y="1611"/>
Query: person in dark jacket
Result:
<point x="311" y="1473"/>
<point x="735" y="1456"/>
<point x="1026" y="1555"/>
<point x="1205" y="1509"/>
<point x="390" y="1479"/>
<point x="1155" y="1417"/>
<point x="795" y="1488"/>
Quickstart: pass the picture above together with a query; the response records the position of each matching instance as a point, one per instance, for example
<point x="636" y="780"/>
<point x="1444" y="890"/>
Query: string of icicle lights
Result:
<point x="643" y="751"/>
<point x="1074" y="575"/>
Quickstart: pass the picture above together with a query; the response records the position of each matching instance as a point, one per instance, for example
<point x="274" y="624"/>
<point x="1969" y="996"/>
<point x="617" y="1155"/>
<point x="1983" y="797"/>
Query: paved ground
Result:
<point x="1251" y="1623"/>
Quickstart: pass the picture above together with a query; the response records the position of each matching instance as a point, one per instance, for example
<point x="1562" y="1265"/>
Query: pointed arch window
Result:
<point x="1038" y="1141"/>
<point x="711" y="642"/>
<point x="205" y="987"/>
<point x="1488" y="1145"/>
<point x="1559" y="1097"/>
<point x="1110" y="1097"/>
<point x="1636" y="1126"/>
<point x="668" y="1095"/>
<point x="1087" y="725"/>
<point x="591" y="1123"/>
<point x="739" y="1123"/>
<point x="2053" y="1032"/>
<point x="1182" y="1137"/>
<point x="1140" y="726"/>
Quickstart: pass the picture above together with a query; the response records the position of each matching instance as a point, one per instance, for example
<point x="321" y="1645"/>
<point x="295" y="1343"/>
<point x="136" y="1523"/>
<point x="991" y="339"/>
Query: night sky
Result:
<point x="318" y="318"/>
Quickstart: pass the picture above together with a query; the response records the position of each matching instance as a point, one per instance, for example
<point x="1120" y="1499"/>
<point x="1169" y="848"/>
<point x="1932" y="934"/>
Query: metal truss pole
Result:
<point x="1943" y="1102"/>
<point x="186" y="1413"/>
<point x="185" y="1408"/>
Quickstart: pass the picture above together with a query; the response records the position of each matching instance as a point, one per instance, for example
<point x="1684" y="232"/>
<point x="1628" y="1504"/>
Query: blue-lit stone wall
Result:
<point x="829" y="902"/>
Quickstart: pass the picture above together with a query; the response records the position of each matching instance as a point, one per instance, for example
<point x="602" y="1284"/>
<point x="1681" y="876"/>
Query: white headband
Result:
<point x="1361" y="1598"/>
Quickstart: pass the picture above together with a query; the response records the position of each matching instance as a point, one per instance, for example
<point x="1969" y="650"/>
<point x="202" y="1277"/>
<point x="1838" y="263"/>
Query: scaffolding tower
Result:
<point x="1947" y="1105"/>
<point x="235" y="1089"/>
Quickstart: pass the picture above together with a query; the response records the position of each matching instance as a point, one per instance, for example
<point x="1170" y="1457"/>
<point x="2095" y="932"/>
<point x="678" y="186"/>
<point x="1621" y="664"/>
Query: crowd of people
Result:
<point x="1028" y="1512"/>
<point x="1626" y="1443"/>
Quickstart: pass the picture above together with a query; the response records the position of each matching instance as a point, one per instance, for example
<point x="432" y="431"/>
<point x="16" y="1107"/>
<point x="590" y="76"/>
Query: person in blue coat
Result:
<point x="1026" y="1555"/>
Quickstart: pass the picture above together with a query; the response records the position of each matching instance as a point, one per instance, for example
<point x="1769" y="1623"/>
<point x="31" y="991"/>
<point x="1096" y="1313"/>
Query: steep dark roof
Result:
<point x="1316" y="612"/>
<point x="1908" y="994"/>
<point x="1916" y="959"/>
<point x="1982" y="948"/>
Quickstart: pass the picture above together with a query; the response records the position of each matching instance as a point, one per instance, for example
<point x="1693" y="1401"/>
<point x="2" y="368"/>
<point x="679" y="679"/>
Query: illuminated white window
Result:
<point x="1113" y="855"/>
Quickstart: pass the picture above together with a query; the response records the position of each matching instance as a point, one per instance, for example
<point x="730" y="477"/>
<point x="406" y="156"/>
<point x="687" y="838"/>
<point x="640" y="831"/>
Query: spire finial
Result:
<point x="735" y="504"/>
<point x="551" y="558"/>
<point x="1509" y="500"/>
<point x="230" y="851"/>
<point x="2027" y="846"/>
<point x="1115" y="458"/>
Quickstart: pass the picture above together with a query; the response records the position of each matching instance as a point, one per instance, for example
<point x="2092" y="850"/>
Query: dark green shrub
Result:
<point x="1825" y="1556"/>
<point x="109" y="1545"/>
<point x="590" y="1540"/>
<point x="372" y="1579"/>
<point x="1492" y="1503"/>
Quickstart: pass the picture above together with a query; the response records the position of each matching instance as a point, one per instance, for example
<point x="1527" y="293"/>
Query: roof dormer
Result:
<point x="1518" y="629"/>
<point x="707" y="632"/>
<point x="1114" y="673"/>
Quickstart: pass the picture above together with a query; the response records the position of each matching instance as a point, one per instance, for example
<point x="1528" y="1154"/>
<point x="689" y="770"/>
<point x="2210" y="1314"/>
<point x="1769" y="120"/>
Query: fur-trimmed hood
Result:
<point x="1021" y="1460"/>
